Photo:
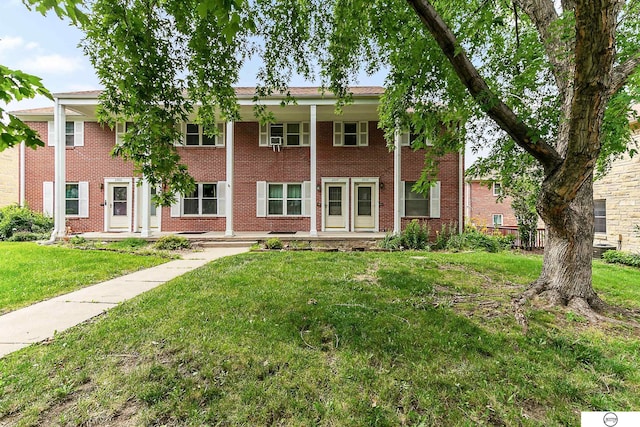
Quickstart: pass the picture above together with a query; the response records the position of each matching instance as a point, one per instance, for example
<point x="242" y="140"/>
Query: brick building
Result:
<point x="483" y="207"/>
<point x="311" y="171"/>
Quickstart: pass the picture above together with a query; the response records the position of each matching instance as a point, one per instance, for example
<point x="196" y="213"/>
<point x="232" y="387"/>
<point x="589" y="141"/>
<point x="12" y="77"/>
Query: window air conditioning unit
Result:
<point x="275" y="141"/>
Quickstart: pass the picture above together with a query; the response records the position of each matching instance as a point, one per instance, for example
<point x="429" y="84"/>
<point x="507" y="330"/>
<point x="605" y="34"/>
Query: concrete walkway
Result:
<point x="41" y="321"/>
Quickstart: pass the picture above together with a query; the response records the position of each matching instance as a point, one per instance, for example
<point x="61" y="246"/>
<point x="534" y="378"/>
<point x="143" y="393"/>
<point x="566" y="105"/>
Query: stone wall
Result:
<point x="620" y="188"/>
<point x="9" y="178"/>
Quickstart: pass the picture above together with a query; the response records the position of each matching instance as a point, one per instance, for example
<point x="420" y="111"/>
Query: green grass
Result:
<point x="333" y="339"/>
<point x="30" y="273"/>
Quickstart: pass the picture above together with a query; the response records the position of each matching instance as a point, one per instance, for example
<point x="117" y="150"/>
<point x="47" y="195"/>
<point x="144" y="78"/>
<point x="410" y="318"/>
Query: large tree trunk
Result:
<point x="566" y="271"/>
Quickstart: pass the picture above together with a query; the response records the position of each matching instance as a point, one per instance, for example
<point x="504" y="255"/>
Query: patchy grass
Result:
<point x="30" y="273"/>
<point x="349" y="339"/>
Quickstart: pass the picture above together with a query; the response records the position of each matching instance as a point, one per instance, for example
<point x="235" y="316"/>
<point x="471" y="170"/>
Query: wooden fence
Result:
<point x="538" y="242"/>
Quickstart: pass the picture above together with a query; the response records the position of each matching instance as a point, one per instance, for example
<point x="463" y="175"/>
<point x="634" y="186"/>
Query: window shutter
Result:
<point x="434" y="201"/>
<point x="404" y="139"/>
<point x="337" y="134"/>
<point x="221" y="136"/>
<point x="83" y="202"/>
<point x="78" y="134"/>
<point x="47" y="198"/>
<point x="306" y="198"/>
<point x="264" y="136"/>
<point x="403" y="189"/>
<point x="51" y="138"/>
<point x="363" y="134"/>
<point x="175" y="208"/>
<point x="222" y="197"/>
<point x="261" y="199"/>
<point x="305" y="131"/>
<point x="182" y="129"/>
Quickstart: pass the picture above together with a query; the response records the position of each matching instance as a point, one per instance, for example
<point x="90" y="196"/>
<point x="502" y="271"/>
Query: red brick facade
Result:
<point x="482" y="204"/>
<point x="93" y="163"/>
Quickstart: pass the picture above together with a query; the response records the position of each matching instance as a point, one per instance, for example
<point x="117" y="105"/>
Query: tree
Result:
<point x="555" y="77"/>
<point x="16" y="85"/>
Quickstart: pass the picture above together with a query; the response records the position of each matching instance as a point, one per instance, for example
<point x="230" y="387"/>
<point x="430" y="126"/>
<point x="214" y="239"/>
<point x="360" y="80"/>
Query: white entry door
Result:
<point x="118" y="206"/>
<point x="364" y="205"/>
<point x="335" y="206"/>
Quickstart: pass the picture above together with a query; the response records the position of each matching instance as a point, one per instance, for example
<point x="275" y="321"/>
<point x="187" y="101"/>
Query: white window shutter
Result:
<point x="434" y="201"/>
<point x="78" y="134"/>
<point x="305" y="138"/>
<point x="403" y="189"/>
<point x="222" y="198"/>
<point x="47" y="198"/>
<point x="306" y="198"/>
<point x="405" y="139"/>
<point x="264" y="136"/>
<point x="51" y="137"/>
<point x="175" y="208"/>
<point x="221" y="136"/>
<point x="363" y="134"/>
<point x="337" y="134"/>
<point x="182" y="129"/>
<point x="83" y="199"/>
<point x="120" y="130"/>
<point x="261" y="199"/>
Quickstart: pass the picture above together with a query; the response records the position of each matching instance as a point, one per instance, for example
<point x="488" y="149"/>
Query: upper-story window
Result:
<point x="497" y="189"/>
<point x="196" y="135"/>
<point x="291" y="134"/>
<point x="350" y="134"/>
<point x="407" y="139"/>
<point x="73" y="134"/>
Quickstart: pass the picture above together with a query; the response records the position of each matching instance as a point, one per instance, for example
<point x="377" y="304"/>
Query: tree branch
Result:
<point x="480" y="91"/>
<point x="622" y="72"/>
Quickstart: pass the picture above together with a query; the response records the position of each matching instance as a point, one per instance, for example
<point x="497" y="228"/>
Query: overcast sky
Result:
<point x="48" y="47"/>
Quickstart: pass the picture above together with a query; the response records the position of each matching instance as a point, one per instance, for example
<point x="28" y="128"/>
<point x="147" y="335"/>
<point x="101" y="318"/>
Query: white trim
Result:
<point x="398" y="184"/>
<point x="219" y="138"/>
<point x="22" y="179"/>
<point x="493" y="217"/>
<point x="78" y="134"/>
<point x="261" y="199"/>
<point x="493" y="189"/>
<point x="313" y="168"/>
<point x="345" y="201"/>
<point x="229" y="178"/>
<point x="221" y="197"/>
<point x="83" y="199"/>
<point x="375" y="202"/>
<point x="129" y="182"/>
<point x="461" y="192"/>
<point x="60" y="173"/>
<point x="434" y="200"/>
<point x="47" y="198"/>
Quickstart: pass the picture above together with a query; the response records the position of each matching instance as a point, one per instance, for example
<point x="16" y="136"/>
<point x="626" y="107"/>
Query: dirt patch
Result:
<point x="370" y="275"/>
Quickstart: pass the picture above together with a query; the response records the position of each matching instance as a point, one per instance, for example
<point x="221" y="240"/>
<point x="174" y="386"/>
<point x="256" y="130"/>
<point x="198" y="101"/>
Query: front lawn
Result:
<point x="334" y="339"/>
<point x="30" y="273"/>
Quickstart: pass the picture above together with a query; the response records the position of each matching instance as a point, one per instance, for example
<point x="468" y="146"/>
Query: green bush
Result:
<point x="15" y="219"/>
<point x="391" y="241"/>
<point x="172" y="243"/>
<point x="472" y="239"/>
<point x="274" y="243"/>
<point x="447" y="231"/>
<point x="77" y="240"/>
<point x="624" y="258"/>
<point x="27" y="236"/>
<point x="415" y="236"/>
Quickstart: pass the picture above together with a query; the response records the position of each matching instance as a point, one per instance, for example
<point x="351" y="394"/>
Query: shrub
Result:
<point x="391" y="241"/>
<point x="442" y="238"/>
<point x="27" y="236"/>
<point x="274" y="243"/>
<point x="15" y="219"/>
<point x="77" y="240"/>
<point x="172" y="243"/>
<point x="415" y="236"/>
<point x="129" y="243"/>
<point x="624" y="258"/>
<point x="472" y="239"/>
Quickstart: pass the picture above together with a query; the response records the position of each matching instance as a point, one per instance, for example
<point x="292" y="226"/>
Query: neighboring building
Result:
<point x="9" y="176"/>
<point x="483" y="207"/>
<point x="312" y="171"/>
<point x="616" y="199"/>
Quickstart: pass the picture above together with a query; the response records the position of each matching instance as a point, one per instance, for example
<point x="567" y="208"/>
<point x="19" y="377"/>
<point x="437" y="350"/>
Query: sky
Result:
<point x="48" y="48"/>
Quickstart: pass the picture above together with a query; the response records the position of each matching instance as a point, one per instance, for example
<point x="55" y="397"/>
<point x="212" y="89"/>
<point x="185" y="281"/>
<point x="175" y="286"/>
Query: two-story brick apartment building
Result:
<point x="312" y="171"/>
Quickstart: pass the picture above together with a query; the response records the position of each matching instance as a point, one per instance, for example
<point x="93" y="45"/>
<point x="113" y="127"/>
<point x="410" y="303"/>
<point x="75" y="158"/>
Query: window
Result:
<point x="497" y="189"/>
<point x="121" y="129"/>
<point x="497" y="220"/>
<point x="73" y="134"/>
<point x="202" y="201"/>
<point x="196" y="135"/>
<point x="72" y="199"/>
<point x="284" y="199"/>
<point x="415" y="204"/>
<point x="290" y="134"/>
<point x="351" y="134"/>
<point x="69" y="134"/>
<point x="600" y="215"/>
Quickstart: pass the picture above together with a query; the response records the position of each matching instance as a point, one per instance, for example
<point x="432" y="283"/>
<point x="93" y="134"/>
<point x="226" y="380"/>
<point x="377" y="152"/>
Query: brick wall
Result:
<point x="252" y="163"/>
<point x="9" y="176"/>
<point x="483" y="205"/>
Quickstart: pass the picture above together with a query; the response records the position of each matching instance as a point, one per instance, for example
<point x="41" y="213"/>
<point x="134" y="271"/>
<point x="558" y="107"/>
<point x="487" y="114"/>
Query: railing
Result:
<point x="538" y="241"/>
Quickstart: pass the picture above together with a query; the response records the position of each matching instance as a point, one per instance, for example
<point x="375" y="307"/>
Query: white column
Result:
<point x="313" y="230"/>
<point x="145" y="210"/>
<point x="22" y="174"/>
<point x="397" y="181"/>
<point x="60" y="173"/>
<point x="229" y="194"/>
<point x="460" y="190"/>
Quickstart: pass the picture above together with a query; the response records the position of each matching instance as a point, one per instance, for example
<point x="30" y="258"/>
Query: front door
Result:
<point x="364" y="199"/>
<point x="336" y="212"/>
<point x="118" y="207"/>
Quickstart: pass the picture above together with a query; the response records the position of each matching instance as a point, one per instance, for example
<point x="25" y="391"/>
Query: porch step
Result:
<point x="226" y="243"/>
